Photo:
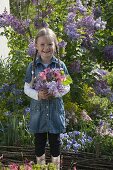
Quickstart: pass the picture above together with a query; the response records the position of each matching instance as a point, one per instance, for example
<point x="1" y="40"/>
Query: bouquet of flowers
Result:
<point x="54" y="80"/>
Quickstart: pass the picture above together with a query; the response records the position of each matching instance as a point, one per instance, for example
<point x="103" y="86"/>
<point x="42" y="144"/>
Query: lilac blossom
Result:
<point x="87" y="41"/>
<point x="62" y="44"/>
<point x="53" y="88"/>
<point x="85" y="26"/>
<point x="108" y="53"/>
<point x="100" y="72"/>
<point x="97" y="12"/>
<point x="80" y="6"/>
<point x="75" y="66"/>
<point x="99" y="24"/>
<point x="39" y="23"/>
<point x="87" y="22"/>
<point x="111" y="97"/>
<point x="10" y="20"/>
<point x="71" y="17"/>
<point x="72" y="9"/>
<point x="31" y="48"/>
<point x="71" y="31"/>
<point x="101" y="87"/>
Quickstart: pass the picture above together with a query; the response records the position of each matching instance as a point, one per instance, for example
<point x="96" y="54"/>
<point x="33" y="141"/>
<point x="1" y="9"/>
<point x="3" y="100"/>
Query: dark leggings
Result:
<point x="40" y="143"/>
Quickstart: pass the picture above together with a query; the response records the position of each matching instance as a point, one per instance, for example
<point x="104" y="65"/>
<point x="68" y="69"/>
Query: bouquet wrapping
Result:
<point x="54" y="80"/>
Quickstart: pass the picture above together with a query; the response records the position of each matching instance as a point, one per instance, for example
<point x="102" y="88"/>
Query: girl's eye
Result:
<point x="50" y="44"/>
<point x="42" y="44"/>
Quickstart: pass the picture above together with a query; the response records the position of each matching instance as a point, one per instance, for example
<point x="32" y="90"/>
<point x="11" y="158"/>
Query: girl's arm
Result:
<point x="30" y="92"/>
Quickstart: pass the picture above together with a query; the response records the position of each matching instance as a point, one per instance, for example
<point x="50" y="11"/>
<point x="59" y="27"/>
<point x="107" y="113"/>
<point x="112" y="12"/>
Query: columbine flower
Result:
<point x="111" y="115"/>
<point x="74" y="141"/>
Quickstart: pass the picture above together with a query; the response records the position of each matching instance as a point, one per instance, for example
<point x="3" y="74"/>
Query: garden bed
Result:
<point x="82" y="160"/>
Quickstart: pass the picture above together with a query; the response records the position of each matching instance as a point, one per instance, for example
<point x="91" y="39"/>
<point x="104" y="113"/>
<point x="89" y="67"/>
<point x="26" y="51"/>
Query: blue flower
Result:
<point x="1" y="90"/>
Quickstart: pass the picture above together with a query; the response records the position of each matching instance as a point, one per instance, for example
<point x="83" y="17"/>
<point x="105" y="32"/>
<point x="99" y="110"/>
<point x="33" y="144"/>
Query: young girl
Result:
<point x="47" y="115"/>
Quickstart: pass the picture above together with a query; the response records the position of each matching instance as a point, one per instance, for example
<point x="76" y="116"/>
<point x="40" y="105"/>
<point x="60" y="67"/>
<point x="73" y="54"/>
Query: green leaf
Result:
<point x="67" y="81"/>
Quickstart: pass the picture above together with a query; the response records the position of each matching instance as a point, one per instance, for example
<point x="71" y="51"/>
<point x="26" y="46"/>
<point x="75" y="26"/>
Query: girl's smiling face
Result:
<point x="46" y="48"/>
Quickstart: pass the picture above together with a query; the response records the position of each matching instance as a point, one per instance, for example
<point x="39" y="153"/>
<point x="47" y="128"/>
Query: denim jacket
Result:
<point x="46" y="115"/>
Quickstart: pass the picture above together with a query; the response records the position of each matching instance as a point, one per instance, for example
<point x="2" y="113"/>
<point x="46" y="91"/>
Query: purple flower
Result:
<point x="10" y="20"/>
<point x="75" y="66"/>
<point x="27" y="23"/>
<point x="6" y="87"/>
<point x="111" y="97"/>
<point x="108" y="53"/>
<point x="111" y="115"/>
<point x="39" y="23"/>
<point x="76" y="133"/>
<point x="31" y="48"/>
<point x="97" y="12"/>
<point x="34" y="2"/>
<point x="71" y="31"/>
<point x="26" y="110"/>
<point x="71" y="17"/>
<point x="100" y="72"/>
<point x="87" y="21"/>
<point x="19" y="101"/>
<point x="62" y="44"/>
<point x="1" y="90"/>
<point x="80" y="7"/>
<point x="99" y="24"/>
<point x="72" y="9"/>
<point x="87" y="41"/>
<point x="102" y="88"/>
<point x="16" y="91"/>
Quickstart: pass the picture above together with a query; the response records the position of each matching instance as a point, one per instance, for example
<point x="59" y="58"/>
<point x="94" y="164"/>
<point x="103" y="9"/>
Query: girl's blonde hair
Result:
<point x="45" y="32"/>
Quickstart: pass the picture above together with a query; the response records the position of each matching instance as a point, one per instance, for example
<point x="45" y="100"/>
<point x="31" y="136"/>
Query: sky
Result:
<point x="3" y="41"/>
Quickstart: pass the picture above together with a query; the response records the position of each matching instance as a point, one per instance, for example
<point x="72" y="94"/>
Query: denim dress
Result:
<point x="47" y="115"/>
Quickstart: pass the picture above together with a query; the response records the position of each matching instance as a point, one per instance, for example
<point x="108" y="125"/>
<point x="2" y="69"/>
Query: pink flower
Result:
<point x="14" y="166"/>
<point x="28" y="167"/>
<point x="42" y="76"/>
<point x="53" y="80"/>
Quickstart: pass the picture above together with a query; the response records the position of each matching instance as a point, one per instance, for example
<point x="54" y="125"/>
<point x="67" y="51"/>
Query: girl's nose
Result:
<point x="46" y="47"/>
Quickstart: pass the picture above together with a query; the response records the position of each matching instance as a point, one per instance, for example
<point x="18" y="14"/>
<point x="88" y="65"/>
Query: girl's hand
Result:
<point x="43" y="94"/>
